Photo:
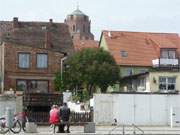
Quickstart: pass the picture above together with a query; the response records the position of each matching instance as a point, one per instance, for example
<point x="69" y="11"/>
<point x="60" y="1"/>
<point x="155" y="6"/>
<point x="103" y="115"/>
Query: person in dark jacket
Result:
<point x="64" y="114"/>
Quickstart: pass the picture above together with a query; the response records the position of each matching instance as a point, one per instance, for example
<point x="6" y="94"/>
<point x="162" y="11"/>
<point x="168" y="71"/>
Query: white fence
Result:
<point x="140" y="109"/>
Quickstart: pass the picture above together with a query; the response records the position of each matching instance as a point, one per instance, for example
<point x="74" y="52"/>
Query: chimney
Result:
<point x="51" y="21"/>
<point x="110" y="34"/>
<point x="47" y="43"/>
<point x="15" y="22"/>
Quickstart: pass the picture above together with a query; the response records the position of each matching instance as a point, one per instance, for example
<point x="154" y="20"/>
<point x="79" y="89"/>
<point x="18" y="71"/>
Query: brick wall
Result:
<point x="13" y="72"/>
<point x="79" y="22"/>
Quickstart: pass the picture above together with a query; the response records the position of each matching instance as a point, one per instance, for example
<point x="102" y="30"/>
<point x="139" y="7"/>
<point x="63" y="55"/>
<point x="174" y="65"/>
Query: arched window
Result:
<point x="84" y="28"/>
<point x="74" y="28"/>
<point x="89" y="29"/>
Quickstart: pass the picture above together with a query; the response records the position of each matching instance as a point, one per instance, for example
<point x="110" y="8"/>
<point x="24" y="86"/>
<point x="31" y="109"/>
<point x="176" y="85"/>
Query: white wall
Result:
<point x="7" y="101"/>
<point x="140" y="109"/>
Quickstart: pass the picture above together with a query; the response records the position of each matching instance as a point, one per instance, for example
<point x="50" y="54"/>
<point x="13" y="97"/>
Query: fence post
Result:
<point x="91" y="114"/>
<point x="9" y="117"/>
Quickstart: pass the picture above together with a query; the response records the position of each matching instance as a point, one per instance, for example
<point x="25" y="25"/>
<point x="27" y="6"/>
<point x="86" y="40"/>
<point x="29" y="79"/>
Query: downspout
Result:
<point x="62" y="62"/>
<point x="2" y="69"/>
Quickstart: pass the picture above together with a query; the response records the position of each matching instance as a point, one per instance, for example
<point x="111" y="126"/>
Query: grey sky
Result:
<point x="126" y="15"/>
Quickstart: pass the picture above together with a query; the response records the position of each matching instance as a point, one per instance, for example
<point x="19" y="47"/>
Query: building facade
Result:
<point x="139" y="53"/>
<point x="29" y="69"/>
<point x="31" y="54"/>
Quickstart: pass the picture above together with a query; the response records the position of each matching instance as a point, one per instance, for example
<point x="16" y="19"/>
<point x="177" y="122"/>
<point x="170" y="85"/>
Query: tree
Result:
<point x="91" y="68"/>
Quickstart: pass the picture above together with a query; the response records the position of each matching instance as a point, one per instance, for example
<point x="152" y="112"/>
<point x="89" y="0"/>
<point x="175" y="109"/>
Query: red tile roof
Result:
<point x="81" y="44"/>
<point x="141" y="47"/>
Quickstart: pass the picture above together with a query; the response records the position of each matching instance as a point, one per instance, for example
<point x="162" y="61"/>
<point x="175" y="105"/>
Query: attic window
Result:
<point x="124" y="54"/>
<point x="43" y="27"/>
<point x="71" y="17"/>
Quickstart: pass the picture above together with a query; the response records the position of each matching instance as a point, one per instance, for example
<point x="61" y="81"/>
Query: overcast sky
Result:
<point x="122" y="15"/>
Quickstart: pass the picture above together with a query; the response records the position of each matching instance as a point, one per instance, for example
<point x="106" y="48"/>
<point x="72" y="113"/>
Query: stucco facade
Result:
<point x="154" y="79"/>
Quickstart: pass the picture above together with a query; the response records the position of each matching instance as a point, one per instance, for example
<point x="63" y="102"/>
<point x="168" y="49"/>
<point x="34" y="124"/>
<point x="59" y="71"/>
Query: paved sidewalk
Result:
<point x="105" y="130"/>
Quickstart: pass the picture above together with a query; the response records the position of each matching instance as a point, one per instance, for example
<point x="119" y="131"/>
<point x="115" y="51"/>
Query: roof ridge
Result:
<point x="141" y="32"/>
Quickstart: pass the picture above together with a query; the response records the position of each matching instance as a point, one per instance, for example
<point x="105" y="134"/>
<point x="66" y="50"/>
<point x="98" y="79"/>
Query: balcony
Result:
<point x="165" y="63"/>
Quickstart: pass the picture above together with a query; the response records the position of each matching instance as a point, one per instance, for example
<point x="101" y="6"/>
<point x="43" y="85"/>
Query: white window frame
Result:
<point x="24" y="63"/>
<point x="168" y="53"/>
<point x="167" y="83"/>
<point x="39" y="61"/>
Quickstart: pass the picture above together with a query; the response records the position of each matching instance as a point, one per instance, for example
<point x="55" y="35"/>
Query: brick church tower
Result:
<point x="79" y="25"/>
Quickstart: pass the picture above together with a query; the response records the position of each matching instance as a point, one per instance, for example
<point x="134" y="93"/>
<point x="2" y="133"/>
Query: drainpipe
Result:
<point x="2" y="69"/>
<point x="62" y="62"/>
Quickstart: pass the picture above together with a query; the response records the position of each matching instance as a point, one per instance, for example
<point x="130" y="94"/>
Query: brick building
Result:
<point x="79" y="25"/>
<point x="31" y="54"/>
<point x="80" y="30"/>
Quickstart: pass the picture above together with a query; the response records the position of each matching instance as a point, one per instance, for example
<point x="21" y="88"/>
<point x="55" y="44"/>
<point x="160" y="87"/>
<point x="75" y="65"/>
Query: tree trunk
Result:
<point x="90" y="90"/>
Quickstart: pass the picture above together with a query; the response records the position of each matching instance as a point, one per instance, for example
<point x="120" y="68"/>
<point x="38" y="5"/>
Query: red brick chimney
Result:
<point x="48" y="44"/>
<point x="15" y="22"/>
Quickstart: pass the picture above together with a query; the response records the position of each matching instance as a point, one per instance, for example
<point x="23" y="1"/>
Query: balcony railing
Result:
<point x="41" y="99"/>
<point x="162" y="62"/>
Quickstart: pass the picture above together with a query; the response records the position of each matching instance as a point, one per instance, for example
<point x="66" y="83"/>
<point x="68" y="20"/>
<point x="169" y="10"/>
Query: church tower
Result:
<point x="79" y="25"/>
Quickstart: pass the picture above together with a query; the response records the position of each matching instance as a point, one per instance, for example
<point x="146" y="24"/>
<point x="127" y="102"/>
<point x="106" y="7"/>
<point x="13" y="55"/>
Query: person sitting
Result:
<point x="53" y="116"/>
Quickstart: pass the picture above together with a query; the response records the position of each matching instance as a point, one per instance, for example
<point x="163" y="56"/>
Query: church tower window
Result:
<point x="74" y="28"/>
<point x="84" y="28"/>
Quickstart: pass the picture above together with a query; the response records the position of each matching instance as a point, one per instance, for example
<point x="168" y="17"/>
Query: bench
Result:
<point x="68" y="123"/>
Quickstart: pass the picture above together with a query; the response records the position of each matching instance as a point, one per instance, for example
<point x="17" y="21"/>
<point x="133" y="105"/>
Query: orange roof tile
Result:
<point x="141" y="47"/>
<point x="81" y="44"/>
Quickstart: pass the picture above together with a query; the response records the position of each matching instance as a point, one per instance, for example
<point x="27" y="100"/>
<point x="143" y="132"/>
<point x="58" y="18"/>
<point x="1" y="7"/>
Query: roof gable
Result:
<point x="38" y="34"/>
<point x="140" y="47"/>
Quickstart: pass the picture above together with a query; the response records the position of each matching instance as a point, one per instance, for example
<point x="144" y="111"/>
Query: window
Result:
<point x="74" y="28"/>
<point x="24" y="60"/>
<point x="42" y="60"/>
<point x="129" y="71"/>
<point x="141" y="82"/>
<point x="168" y="54"/>
<point x="21" y="85"/>
<point x="167" y="83"/>
<point x="84" y="28"/>
<point x="124" y="54"/>
<point x="33" y="86"/>
<point x="142" y="71"/>
<point x="38" y="86"/>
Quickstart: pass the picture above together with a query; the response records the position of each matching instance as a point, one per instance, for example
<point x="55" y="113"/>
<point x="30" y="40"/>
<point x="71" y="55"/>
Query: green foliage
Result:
<point x="58" y="83"/>
<point x="90" y="68"/>
<point x="81" y="96"/>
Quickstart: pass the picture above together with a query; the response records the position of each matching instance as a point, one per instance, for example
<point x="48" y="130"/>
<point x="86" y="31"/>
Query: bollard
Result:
<point x="9" y="117"/>
<point x="31" y="127"/>
<point x="89" y="127"/>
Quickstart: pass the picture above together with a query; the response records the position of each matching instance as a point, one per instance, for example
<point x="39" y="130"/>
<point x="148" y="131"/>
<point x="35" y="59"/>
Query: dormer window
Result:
<point x="124" y="54"/>
<point x="168" y="53"/>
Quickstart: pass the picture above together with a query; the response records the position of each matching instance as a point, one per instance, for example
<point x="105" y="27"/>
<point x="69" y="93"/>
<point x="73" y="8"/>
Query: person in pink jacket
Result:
<point x="54" y="118"/>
